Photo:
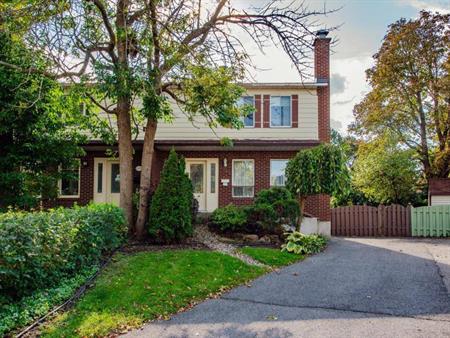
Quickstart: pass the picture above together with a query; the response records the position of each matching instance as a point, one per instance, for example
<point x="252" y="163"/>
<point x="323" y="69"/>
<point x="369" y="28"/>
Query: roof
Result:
<point x="439" y="186"/>
<point x="215" y="145"/>
<point x="284" y="85"/>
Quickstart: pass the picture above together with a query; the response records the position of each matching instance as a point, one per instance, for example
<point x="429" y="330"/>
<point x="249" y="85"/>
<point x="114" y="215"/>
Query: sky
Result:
<point x="363" y="24"/>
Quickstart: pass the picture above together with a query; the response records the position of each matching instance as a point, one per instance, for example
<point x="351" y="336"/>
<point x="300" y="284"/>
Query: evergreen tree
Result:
<point x="170" y="211"/>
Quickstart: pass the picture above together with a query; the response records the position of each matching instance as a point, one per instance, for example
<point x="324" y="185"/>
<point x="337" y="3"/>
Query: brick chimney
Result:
<point x="322" y="75"/>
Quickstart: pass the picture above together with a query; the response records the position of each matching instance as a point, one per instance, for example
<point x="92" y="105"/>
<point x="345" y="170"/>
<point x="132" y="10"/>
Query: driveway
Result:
<point x="356" y="288"/>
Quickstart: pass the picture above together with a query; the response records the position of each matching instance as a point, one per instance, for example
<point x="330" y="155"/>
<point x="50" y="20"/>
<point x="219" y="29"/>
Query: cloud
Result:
<point x="336" y="125"/>
<point x="356" y="86"/>
<point x="345" y="101"/>
<point x="441" y="6"/>
<point x="338" y="84"/>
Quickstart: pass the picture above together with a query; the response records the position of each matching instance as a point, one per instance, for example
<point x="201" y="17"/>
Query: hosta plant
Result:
<point x="301" y="244"/>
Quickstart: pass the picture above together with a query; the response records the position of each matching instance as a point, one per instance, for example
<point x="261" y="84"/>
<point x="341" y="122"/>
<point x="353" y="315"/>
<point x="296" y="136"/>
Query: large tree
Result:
<point x="188" y="50"/>
<point x="39" y="128"/>
<point x="385" y="172"/>
<point x="410" y="93"/>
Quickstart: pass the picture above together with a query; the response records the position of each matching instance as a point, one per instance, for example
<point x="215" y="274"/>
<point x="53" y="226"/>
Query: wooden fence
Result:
<point x="431" y="221"/>
<point x="366" y="221"/>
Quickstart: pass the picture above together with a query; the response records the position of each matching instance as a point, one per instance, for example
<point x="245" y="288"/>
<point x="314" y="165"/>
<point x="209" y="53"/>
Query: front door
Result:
<point x="106" y="181"/>
<point x="204" y="174"/>
<point x="197" y="173"/>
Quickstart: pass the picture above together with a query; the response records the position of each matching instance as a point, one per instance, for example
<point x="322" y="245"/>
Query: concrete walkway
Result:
<point x="356" y="288"/>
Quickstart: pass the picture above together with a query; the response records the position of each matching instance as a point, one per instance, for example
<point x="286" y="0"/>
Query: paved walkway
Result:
<point x="356" y="288"/>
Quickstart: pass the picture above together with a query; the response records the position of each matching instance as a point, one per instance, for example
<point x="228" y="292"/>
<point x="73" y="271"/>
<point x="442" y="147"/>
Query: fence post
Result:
<point x="408" y="218"/>
<point x="380" y="225"/>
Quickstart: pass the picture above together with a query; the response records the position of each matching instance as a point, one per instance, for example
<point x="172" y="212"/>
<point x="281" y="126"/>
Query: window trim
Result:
<point x="232" y="177"/>
<point x="270" y="172"/>
<point x="79" y="183"/>
<point x="254" y="112"/>
<point x="290" y="111"/>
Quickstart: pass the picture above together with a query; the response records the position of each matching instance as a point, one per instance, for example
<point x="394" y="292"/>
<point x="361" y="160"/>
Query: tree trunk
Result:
<point x="424" y="151"/>
<point x="126" y="159"/>
<point x="123" y="114"/>
<point x="146" y="172"/>
<point x="301" y="202"/>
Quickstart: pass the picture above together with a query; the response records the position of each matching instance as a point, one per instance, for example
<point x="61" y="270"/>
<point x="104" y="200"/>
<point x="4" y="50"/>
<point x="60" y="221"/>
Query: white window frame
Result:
<point x="254" y="112"/>
<point x="290" y="111"/>
<point x="270" y="172"/>
<point x="79" y="184"/>
<point x="232" y="177"/>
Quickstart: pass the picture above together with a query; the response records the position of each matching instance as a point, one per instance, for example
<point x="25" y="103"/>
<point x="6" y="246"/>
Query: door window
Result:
<point x="115" y="178"/>
<point x="196" y="175"/>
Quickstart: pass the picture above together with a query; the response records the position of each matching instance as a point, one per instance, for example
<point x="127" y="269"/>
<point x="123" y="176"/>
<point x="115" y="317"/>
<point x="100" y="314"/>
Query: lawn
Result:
<point x="148" y="285"/>
<point x="272" y="257"/>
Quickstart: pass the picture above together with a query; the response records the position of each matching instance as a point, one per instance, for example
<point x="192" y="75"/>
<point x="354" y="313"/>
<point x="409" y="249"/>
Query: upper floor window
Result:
<point x="248" y="120"/>
<point x="277" y="173"/>
<point x="69" y="184"/>
<point x="243" y="178"/>
<point x="280" y="111"/>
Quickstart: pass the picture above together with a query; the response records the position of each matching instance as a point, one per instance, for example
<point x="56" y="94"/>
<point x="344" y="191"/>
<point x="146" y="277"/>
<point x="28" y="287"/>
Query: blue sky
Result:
<point x="363" y="26"/>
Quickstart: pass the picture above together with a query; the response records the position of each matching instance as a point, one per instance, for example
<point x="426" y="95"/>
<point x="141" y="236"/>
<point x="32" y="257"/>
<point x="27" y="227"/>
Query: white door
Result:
<point x="204" y="174"/>
<point x="106" y="181"/>
<point x="197" y="173"/>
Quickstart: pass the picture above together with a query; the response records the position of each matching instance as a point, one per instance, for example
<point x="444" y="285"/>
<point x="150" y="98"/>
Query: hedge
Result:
<point x="37" y="249"/>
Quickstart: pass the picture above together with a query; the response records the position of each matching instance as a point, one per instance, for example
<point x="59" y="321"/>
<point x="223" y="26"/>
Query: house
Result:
<point x="287" y="117"/>
<point x="439" y="191"/>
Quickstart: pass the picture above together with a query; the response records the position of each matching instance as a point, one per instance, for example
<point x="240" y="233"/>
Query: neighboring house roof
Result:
<point x="439" y="186"/>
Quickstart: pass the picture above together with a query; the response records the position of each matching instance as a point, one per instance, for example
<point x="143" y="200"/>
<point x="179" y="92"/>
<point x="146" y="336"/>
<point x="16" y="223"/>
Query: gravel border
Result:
<point x="211" y="240"/>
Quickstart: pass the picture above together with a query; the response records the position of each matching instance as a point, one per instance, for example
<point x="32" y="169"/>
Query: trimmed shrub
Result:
<point x="301" y="244"/>
<point x="172" y="207"/>
<point x="272" y="195"/>
<point x="261" y="219"/>
<point x="37" y="249"/>
<point x="229" y="218"/>
<point x="281" y="200"/>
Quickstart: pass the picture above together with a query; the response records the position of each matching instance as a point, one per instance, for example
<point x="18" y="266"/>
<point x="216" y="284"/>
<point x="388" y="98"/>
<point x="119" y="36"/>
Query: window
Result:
<point x="69" y="184"/>
<point x="277" y="175"/>
<point x="247" y="100"/>
<point x="243" y="178"/>
<point x="100" y="178"/>
<point x="197" y="177"/>
<point x="115" y="178"/>
<point x="280" y="111"/>
<point x="213" y="178"/>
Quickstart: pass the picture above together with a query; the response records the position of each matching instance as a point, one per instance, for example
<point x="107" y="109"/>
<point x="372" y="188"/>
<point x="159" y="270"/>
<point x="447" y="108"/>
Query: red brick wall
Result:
<point x="87" y="181"/>
<point x="321" y="203"/>
<point x="322" y="74"/>
<point x="86" y="184"/>
<point x="315" y="205"/>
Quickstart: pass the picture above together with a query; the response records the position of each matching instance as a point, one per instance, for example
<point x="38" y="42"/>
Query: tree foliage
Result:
<point x="186" y="51"/>
<point x="351" y="196"/>
<point x="170" y="211"/>
<point x="318" y="170"/>
<point x="386" y="173"/>
<point x="410" y="93"/>
<point x="40" y="126"/>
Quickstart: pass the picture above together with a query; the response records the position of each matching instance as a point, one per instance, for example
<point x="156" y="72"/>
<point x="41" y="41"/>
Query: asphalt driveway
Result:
<point x="356" y="288"/>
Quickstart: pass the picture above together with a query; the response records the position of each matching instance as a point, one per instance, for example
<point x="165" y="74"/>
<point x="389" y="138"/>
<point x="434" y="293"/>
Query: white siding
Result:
<point x="182" y="129"/>
<point x="440" y="200"/>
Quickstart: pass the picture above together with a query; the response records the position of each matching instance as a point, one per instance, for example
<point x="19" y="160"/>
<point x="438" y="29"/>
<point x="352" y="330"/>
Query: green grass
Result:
<point x="149" y="285"/>
<point x="272" y="257"/>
